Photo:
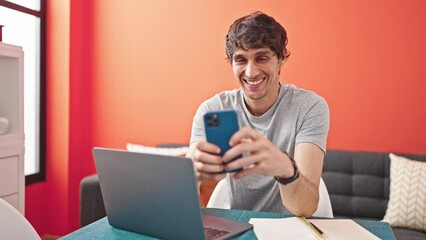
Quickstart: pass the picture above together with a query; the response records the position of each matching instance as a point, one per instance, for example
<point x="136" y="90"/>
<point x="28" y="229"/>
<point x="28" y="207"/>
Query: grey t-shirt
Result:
<point x="297" y="116"/>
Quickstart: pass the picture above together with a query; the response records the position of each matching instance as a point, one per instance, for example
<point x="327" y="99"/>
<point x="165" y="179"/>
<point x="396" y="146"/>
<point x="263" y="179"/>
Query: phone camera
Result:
<point x="213" y="120"/>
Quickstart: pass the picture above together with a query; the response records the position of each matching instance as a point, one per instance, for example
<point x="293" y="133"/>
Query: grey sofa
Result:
<point x="357" y="182"/>
<point x="358" y="185"/>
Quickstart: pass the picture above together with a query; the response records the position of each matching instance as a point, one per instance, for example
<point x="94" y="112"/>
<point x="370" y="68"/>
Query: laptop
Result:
<point x="156" y="195"/>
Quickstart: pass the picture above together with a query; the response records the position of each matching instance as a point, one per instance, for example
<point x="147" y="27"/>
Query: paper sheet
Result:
<point x="281" y="228"/>
<point x="343" y="229"/>
<point x="295" y="228"/>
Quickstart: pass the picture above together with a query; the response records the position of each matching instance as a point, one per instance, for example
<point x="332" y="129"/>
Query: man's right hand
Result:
<point x="208" y="164"/>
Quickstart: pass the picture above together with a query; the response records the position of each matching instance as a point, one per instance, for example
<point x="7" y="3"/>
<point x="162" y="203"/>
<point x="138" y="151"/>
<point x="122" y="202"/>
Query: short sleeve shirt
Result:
<point x="298" y="116"/>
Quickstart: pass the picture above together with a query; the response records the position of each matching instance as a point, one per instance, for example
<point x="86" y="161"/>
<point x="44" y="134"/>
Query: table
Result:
<point x="102" y="230"/>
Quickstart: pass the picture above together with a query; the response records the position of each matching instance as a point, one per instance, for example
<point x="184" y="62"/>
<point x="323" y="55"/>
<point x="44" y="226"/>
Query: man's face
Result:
<point x="257" y="71"/>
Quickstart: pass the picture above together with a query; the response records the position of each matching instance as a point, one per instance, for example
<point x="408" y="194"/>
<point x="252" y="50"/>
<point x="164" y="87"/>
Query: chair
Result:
<point x="13" y="225"/>
<point x="324" y="204"/>
<point x="220" y="199"/>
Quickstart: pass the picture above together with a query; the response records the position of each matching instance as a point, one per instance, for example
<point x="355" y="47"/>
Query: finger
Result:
<point x="244" y="133"/>
<point x="239" y="149"/>
<point x="207" y="158"/>
<point x="241" y="163"/>
<point x="207" y="153"/>
<point x="209" y="168"/>
<point x="205" y="146"/>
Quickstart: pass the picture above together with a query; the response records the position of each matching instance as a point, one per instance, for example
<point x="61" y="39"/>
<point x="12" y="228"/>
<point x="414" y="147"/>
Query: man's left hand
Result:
<point x="265" y="158"/>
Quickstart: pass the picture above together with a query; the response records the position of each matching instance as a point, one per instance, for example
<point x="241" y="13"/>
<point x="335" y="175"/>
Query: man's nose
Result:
<point x="251" y="70"/>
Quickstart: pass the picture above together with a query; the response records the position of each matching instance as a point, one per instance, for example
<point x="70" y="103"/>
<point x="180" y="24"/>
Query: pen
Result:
<point x="319" y="230"/>
<point x="315" y="229"/>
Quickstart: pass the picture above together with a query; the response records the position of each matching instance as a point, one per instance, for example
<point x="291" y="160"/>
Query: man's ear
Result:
<point x="280" y="65"/>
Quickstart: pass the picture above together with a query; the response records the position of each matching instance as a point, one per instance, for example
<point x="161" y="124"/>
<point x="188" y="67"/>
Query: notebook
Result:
<point x="300" y="228"/>
<point x="156" y="195"/>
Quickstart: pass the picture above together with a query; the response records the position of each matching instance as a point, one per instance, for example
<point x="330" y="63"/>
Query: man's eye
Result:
<point x="240" y="60"/>
<point x="262" y="59"/>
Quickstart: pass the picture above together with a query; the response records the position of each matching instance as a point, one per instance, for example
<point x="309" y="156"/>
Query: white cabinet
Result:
<point x="12" y="177"/>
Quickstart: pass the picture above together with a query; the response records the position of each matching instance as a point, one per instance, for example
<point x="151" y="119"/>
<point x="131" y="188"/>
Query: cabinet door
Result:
<point x="12" y="200"/>
<point x="9" y="175"/>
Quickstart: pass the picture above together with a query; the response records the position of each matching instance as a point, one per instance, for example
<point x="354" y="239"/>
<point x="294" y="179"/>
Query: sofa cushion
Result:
<point x="407" y="202"/>
<point x="164" y="149"/>
<point x="357" y="183"/>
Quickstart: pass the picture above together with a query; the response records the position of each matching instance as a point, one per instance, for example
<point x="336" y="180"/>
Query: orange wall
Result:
<point x="139" y="69"/>
<point x="157" y="60"/>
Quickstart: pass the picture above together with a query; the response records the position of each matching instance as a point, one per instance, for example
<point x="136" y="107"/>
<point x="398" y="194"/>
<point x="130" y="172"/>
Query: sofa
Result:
<point x="358" y="184"/>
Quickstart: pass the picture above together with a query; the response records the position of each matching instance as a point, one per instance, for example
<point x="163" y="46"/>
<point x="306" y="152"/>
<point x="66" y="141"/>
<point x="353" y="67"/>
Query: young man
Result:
<point x="284" y="128"/>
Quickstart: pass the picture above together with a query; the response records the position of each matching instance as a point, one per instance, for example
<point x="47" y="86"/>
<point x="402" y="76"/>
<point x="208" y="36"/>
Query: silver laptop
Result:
<point x="156" y="195"/>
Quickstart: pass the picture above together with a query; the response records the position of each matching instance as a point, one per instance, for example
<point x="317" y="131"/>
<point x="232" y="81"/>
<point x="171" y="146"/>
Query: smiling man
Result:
<point x="284" y="128"/>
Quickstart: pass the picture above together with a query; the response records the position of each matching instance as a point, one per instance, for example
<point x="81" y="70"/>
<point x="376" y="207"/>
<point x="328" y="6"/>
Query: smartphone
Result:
<point x="220" y="126"/>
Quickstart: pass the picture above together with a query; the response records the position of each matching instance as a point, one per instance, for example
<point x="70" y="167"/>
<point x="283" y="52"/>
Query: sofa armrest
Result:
<point x="91" y="202"/>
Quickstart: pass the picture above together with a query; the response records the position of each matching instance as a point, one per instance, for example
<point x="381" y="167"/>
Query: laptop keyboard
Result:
<point x="213" y="233"/>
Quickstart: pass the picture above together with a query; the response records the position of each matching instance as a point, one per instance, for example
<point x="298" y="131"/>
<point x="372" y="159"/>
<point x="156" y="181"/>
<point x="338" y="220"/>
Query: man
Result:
<point x="279" y="123"/>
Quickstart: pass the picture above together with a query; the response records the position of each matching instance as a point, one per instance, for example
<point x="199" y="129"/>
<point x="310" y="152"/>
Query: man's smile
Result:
<point x="254" y="83"/>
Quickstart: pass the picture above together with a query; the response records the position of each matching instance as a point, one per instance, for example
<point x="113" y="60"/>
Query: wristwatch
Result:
<point x="285" y="181"/>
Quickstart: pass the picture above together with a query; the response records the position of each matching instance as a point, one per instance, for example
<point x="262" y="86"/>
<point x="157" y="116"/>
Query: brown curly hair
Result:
<point x="257" y="30"/>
